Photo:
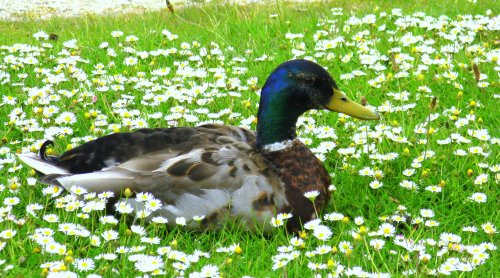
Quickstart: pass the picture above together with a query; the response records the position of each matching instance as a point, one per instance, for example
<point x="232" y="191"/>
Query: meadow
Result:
<point x="414" y="194"/>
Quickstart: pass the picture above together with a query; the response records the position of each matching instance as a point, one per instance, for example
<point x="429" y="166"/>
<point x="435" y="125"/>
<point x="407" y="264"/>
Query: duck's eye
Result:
<point x="343" y="99"/>
<point x="309" y="79"/>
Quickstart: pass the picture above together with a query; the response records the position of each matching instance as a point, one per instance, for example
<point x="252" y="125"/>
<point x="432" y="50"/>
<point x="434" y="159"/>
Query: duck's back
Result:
<point x="117" y="148"/>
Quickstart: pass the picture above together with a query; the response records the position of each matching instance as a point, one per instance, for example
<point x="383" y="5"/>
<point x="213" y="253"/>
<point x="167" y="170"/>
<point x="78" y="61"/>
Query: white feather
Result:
<point x="192" y="156"/>
<point x="99" y="181"/>
<point x="219" y="198"/>
<point x="189" y="205"/>
<point x="42" y="166"/>
<point x="278" y="146"/>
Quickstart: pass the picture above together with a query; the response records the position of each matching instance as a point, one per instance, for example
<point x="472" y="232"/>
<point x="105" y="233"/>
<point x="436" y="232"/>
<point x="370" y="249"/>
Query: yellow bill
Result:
<point x="340" y="103"/>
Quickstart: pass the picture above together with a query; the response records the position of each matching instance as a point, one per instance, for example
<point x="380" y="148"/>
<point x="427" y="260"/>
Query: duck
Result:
<point x="216" y="173"/>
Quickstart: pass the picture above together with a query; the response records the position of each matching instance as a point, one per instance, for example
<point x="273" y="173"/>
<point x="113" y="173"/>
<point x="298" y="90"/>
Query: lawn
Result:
<point x="415" y="193"/>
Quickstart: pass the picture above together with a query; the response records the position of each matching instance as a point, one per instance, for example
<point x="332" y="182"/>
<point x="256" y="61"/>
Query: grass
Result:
<point x="250" y="32"/>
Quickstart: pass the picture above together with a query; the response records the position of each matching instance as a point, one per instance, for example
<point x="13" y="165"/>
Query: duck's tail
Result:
<point x="43" y="152"/>
<point x="53" y="174"/>
<point x="43" y="164"/>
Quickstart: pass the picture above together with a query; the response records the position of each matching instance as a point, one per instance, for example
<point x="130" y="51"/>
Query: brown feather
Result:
<point x="301" y="171"/>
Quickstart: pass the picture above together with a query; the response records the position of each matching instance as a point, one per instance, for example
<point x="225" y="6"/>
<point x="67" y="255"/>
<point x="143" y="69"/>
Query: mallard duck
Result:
<point x="215" y="171"/>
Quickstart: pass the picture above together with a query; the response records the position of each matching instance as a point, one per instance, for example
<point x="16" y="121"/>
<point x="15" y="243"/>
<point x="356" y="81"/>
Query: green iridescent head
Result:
<point x="293" y="88"/>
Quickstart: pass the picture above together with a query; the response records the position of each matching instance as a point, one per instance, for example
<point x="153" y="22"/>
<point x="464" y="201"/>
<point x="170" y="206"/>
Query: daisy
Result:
<point x="210" y="271"/>
<point x="323" y="249"/>
<point x="151" y="240"/>
<point x="377" y="244"/>
<point x="116" y="34"/>
<point x="489" y="228"/>
<point x="109" y="256"/>
<point x="95" y="240"/>
<point x="376" y="184"/>
<point x="136" y="229"/>
<point x="8" y="233"/>
<point x="122" y="250"/>
<point x="41" y="35"/>
<point x="434" y="188"/>
<point x="108" y="220"/>
<point x="11" y="201"/>
<point x="409" y="172"/>
<point x="334" y="216"/>
<point x="316" y="266"/>
<point x="478" y="197"/>
<point x="66" y="118"/>
<point x="78" y="190"/>
<point x="153" y="204"/>
<point x="106" y="195"/>
<point x="408" y="185"/>
<point x="481" y="179"/>
<point x="322" y="232"/>
<point x="431" y="223"/>
<point x="131" y="38"/>
<point x="345" y="247"/>
<point x="448" y="237"/>
<point x="427" y="213"/>
<point x="279" y="264"/>
<point x="84" y="264"/>
<point x="311" y="195"/>
<point x="159" y="220"/>
<point x="55" y="248"/>
<point x="296" y="241"/>
<point x="358" y="220"/>
<point x="312" y="224"/>
<point x="367" y="171"/>
<point x="387" y="230"/>
<point x="51" y="218"/>
<point x="130" y="61"/>
<point x="109" y="235"/>
<point x="144" y="197"/>
<point x="181" y="221"/>
<point x="143" y="213"/>
<point x="470" y="229"/>
<point x="32" y="208"/>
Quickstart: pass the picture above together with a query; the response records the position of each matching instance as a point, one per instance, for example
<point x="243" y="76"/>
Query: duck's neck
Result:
<point x="277" y="117"/>
<point x="275" y="131"/>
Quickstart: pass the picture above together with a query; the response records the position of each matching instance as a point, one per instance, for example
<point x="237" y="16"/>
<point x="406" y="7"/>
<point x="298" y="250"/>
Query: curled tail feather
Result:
<point x="43" y="152"/>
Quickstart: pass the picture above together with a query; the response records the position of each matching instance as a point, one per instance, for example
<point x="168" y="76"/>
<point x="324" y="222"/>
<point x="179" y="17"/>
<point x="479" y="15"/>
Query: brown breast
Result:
<point x="302" y="172"/>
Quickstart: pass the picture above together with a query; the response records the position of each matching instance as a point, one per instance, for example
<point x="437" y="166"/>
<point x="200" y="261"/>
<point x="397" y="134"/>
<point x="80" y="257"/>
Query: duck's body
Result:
<point x="219" y="172"/>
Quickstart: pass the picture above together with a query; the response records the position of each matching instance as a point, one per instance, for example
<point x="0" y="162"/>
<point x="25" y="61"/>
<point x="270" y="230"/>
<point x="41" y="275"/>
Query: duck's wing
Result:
<point x="117" y="148"/>
<point x="207" y="170"/>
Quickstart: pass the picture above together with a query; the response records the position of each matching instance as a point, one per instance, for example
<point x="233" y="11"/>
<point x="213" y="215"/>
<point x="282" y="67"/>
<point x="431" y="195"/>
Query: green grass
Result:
<point x="252" y="33"/>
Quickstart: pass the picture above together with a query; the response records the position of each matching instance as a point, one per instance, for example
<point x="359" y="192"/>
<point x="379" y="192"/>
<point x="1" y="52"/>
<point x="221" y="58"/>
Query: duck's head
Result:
<point x="293" y="88"/>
